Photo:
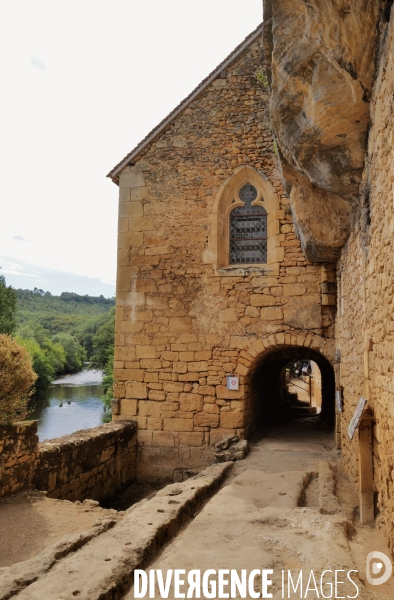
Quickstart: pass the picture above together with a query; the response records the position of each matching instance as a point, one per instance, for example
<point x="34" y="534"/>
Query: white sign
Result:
<point x="232" y="382"/>
<point x="339" y="400"/>
<point x="356" y="417"/>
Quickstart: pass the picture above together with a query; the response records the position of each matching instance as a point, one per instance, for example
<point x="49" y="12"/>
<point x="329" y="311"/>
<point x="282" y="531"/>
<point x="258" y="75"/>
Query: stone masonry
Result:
<point x="18" y="456"/>
<point x="185" y="317"/>
<point x="93" y="463"/>
<point x="365" y="328"/>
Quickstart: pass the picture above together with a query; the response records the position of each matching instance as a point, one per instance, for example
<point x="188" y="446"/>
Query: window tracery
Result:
<point x="248" y="229"/>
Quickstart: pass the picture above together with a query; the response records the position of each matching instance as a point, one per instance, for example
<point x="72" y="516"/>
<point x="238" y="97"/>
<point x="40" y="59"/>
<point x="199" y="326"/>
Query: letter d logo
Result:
<point x="377" y="568"/>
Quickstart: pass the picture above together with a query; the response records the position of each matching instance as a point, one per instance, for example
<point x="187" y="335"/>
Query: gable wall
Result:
<point x="181" y="326"/>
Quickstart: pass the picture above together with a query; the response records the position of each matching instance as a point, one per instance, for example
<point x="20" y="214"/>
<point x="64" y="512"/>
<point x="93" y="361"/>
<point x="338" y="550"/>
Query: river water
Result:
<point x="82" y="408"/>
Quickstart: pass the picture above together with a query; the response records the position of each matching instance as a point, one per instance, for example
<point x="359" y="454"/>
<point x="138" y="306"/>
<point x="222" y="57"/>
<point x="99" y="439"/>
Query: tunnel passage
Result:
<point x="267" y="401"/>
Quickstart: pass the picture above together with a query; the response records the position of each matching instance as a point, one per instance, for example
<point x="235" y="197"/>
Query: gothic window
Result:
<point x="248" y="230"/>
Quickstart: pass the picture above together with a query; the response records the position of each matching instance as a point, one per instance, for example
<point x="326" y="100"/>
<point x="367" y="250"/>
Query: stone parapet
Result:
<point x="18" y="455"/>
<point x="93" y="463"/>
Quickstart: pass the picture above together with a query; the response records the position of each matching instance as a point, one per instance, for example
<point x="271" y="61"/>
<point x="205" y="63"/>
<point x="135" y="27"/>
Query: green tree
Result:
<point x="49" y="358"/>
<point x="16" y="380"/>
<point x="7" y="307"/>
<point x="42" y="364"/>
<point x="103" y="356"/>
<point x="103" y="343"/>
<point x="75" y="354"/>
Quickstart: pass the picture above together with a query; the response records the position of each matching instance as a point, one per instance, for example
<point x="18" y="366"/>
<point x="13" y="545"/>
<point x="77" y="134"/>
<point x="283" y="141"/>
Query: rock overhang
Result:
<point x="320" y="65"/>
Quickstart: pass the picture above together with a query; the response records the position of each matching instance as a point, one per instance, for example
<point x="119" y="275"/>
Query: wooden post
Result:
<point x="366" y="470"/>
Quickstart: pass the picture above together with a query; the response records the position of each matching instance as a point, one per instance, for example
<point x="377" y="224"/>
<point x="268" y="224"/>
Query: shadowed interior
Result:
<point x="265" y="402"/>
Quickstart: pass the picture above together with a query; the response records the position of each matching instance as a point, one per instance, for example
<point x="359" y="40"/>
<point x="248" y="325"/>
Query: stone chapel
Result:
<point x="212" y="280"/>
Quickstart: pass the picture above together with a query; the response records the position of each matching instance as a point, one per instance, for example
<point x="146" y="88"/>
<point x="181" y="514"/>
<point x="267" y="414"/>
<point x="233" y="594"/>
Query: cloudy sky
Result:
<point x="82" y="83"/>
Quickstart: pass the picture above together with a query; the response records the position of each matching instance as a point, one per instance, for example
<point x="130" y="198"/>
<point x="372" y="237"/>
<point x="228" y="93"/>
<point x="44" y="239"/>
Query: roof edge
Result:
<point x="156" y="131"/>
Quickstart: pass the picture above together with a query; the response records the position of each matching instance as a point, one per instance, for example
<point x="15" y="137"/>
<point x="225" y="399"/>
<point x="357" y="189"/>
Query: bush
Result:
<point x="16" y="380"/>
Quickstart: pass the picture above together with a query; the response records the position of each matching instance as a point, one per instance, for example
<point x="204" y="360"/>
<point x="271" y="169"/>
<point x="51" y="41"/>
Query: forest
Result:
<point x="62" y="333"/>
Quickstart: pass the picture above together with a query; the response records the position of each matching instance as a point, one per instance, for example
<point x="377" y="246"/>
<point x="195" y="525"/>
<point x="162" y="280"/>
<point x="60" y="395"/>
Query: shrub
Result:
<point x="16" y="380"/>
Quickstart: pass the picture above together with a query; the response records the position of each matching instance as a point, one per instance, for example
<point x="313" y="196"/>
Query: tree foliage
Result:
<point x="7" y="307"/>
<point x="75" y="354"/>
<point x="58" y="331"/>
<point x="103" y="355"/>
<point x="16" y="380"/>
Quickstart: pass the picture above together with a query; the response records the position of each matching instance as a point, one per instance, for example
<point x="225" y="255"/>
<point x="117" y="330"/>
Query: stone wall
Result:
<point x="365" y="326"/>
<point x="18" y="455"/>
<point x="185" y="318"/>
<point x="93" y="463"/>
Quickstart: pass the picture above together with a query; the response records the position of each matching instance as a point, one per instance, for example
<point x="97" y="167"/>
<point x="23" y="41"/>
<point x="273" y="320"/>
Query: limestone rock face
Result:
<point x="320" y="64"/>
<point x="322" y="219"/>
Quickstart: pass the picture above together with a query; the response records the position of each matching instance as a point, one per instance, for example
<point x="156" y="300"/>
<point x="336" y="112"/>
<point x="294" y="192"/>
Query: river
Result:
<point x="82" y="408"/>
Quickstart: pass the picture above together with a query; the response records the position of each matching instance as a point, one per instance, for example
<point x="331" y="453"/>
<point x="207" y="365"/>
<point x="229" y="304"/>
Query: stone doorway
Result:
<point x="275" y="393"/>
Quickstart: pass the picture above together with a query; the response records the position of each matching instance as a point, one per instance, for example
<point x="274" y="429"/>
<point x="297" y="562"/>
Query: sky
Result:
<point x="82" y="83"/>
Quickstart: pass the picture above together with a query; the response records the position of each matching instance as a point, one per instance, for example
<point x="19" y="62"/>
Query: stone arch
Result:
<point x="266" y="356"/>
<point x="218" y="241"/>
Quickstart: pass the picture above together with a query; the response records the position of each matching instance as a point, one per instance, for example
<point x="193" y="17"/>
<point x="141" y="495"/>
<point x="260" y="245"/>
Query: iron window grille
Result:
<point x="248" y="230"/>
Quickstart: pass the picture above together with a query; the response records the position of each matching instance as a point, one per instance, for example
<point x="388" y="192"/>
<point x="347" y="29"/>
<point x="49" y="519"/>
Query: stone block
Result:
<point x="128" y="407"/>
<point x="211" y="408"/>
<point x="180" y="324"/>
<point x="131" y="177"/>
<point x="207" y="390"/>
<point x="154" y="423"/>
<point x="149" y="408"/>
<point x="136" y="239"/>
<point x="186" y="356"/>
<point x="230" y="420"/>
<point x="144" y="437"/>
<point x="145" y="352"/>
<point x="198" y="366"/>
<point x="173" y="387"/>
<point x="262" y="300"/>
<point x="241" y="369"/>
<point x="157" y="395"/>
<point x="150" y="363"/>
<point x="179" y="367"/>
<point x="178" y="424"/>
<point x="228" y="315"/>
<point x="203" y="419"/>
<point x="328" y="299"/>
<point x="191" y="439"/>
<point x="190" y="402"/>
<point x="133" y="375"/>
<point x="131" y="209"/>
<point x="271" y="313"/>
<point x="300" y="315"/>
<point x="163" y="438"/>
<point x="189" y="377"/>
<point x="137" y="390"/>
<point x="294" y="289"/>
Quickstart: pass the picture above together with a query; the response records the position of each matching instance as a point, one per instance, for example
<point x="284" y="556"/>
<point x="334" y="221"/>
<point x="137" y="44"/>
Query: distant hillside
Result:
<point x="68" y="312"/>
<point x="79" y="316"/>
<point x="62" y="332"/>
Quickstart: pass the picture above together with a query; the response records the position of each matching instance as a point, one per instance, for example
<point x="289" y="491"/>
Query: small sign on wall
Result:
<point x="356" y="417"/>
<point x="232" y="382"/>
<point x="338" y="396"/>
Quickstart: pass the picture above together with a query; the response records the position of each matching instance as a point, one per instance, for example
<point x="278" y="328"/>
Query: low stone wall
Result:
<point x="93" y="463"/>
<point x="18" y="456"/>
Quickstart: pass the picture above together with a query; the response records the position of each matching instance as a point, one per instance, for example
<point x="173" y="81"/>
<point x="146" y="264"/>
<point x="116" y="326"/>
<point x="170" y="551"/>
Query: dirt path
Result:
<point x="287" y="506"/>
<point x="268" y="516"/>
<point x="30" y="522"/>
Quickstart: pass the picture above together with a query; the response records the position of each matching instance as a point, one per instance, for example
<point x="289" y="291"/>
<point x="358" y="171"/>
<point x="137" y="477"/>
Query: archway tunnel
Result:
<point x="287" y="383"/>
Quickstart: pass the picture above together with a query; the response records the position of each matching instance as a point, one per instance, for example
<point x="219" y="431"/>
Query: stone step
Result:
<point x="302" y="410"/>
